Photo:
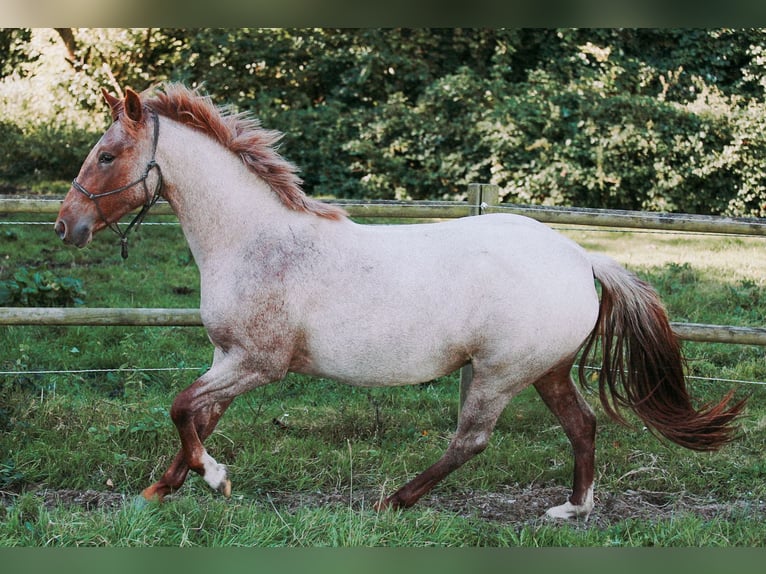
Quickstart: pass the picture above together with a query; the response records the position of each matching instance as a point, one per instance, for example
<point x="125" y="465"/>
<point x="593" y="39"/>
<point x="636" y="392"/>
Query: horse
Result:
<point x="292" y="284"/>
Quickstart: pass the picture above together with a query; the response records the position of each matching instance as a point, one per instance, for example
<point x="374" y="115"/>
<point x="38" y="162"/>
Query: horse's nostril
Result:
<point x="60" y="229"/>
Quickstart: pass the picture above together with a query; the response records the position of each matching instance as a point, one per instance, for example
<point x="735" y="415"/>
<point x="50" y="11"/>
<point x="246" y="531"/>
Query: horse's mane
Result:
<point x="243" y="135"/>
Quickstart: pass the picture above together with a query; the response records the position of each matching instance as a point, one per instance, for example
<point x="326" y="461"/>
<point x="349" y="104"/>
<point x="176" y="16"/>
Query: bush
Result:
<point x="603" y="140"/>
<point x="41" y="152"/>
<point x="650" y="119"/>
<point x="40" y="289"/>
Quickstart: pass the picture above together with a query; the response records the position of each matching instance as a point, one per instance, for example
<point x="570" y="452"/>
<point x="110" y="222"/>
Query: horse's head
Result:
<point x="116" y="177"/>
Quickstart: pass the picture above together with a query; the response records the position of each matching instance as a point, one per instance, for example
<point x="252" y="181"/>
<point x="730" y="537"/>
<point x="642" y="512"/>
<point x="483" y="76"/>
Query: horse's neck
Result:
<point x="217" y="200"/>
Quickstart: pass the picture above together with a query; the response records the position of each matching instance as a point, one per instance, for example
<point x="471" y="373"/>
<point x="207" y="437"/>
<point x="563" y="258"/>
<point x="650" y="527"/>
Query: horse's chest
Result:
<point x="241" y="302"/>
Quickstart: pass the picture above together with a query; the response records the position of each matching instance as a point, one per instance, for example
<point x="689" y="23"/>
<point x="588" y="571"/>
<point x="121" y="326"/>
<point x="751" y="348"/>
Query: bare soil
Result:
<point x="514" y="505"/>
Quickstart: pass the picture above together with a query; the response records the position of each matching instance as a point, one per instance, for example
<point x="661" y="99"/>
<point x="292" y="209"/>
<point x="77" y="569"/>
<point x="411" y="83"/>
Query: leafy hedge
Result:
<point x="41" y="151"/>
<point x="634" y="119"/>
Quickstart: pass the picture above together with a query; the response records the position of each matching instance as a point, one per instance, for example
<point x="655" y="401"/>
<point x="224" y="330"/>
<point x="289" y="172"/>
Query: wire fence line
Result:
<point x="481" y="199"/>
<point x="149" y="223"/>
<point x="203" y="368"/>
<point x="89" y="371"/>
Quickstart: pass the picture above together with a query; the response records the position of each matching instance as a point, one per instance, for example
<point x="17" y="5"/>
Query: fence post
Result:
<point x="480" y="197"/>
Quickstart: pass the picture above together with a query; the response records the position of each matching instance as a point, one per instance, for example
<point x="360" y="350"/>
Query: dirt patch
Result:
<point x="85" y="499"/>
<point x="527" y="505"/>
<point x="513" y="505"/>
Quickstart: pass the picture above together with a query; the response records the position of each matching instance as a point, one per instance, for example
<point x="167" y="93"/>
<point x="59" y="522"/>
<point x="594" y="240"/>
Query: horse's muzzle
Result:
<point x="78" y="234"/>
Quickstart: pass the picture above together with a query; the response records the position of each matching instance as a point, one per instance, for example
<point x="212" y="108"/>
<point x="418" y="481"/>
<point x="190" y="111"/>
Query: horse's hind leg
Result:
<point x="478" y="417"/>
<point x="561" y="396"/>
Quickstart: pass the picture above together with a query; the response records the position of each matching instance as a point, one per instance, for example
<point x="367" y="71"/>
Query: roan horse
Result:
<point x="291" y="284"/>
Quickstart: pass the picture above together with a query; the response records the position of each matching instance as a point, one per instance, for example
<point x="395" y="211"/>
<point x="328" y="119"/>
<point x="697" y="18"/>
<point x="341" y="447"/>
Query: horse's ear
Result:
<point x="133" y="108"/>
<point x="113" y="103"/>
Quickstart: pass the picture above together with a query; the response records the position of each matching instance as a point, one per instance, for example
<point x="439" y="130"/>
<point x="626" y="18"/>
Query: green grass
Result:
<point x="208" y="522"/>
<point x="102" y="430"/>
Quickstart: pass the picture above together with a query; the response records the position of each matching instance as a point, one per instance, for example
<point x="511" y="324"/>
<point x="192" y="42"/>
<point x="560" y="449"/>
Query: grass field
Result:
<point x="309" y="457"/>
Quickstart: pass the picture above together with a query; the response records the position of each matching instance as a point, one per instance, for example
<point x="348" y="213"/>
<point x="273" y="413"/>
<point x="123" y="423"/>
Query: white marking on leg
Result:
<point x="215" y="474"/>
<point x="568" y="510"/>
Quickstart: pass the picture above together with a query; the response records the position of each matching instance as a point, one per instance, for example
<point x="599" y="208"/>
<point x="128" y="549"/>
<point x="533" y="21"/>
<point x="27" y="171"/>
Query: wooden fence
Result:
<point x="482" y="199"/>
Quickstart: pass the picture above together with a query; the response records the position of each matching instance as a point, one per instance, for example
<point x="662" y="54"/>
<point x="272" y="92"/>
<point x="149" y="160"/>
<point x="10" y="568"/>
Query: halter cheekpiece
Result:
<point x="151" y="199"/>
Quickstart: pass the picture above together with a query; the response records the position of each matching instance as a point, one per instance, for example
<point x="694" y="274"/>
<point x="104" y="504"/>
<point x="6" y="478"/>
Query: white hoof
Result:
<point x="567" y="511"/>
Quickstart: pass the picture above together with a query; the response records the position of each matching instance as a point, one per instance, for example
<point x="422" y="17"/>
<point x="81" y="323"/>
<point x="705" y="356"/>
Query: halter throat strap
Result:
<point x="151" y="198"/>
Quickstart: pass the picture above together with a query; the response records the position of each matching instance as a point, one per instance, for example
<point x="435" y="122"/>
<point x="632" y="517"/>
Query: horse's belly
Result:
<point x="535" y="328"/>
<point x="385" y="359"/>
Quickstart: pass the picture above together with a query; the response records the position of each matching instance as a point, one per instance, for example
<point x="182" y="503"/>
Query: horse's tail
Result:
<point x="643" y="367"/>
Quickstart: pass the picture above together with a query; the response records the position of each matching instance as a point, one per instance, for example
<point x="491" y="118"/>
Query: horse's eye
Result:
<point x="105" y="157"/>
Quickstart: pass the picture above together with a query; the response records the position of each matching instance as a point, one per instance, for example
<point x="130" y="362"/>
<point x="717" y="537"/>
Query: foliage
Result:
<point x="14" y="44"/>
<point x="34" y="153"/>
<point x="655" y="119"/>
<point x="40" y="289"/>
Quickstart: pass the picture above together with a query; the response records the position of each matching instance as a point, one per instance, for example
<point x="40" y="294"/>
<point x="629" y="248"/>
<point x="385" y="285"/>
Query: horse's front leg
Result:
<point x="195" y="413"/>
<point x="173" y="478"/>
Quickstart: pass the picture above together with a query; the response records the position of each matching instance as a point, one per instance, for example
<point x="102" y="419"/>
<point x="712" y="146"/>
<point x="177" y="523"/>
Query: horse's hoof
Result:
<point x="568" y="511"/>
<point x="149" y="495"/>
<point x="390" y="503"/>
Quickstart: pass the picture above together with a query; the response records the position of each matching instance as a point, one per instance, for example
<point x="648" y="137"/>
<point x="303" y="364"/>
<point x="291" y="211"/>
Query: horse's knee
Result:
<point x="188" y="408"/>
<point x="180" y="410"/>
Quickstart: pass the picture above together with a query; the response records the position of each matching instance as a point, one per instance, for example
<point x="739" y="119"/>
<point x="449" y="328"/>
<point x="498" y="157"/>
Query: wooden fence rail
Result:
<point x="169" y="317"/>
<point x="482" y="199"/>
<point x="100" y="316"/>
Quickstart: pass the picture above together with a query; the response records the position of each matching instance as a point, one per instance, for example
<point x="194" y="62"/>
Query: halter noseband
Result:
<point x="151" y="199"/>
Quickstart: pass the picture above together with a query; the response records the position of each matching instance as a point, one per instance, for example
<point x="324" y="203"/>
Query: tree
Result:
<point x="626" y="118"/>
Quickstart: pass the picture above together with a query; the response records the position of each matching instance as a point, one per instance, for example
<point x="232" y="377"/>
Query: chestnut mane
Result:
<point x="243" y="135"/>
